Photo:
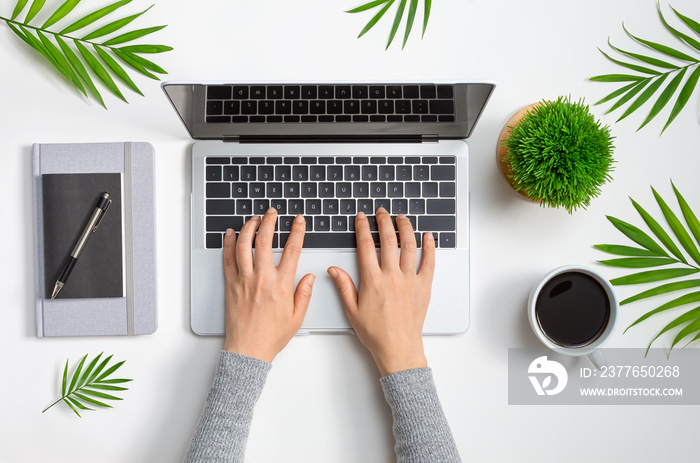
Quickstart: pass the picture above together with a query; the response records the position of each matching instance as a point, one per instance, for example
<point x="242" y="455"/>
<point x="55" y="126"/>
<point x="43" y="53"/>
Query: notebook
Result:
<point x="328" y="151"/>
<point x="112" y="289"/>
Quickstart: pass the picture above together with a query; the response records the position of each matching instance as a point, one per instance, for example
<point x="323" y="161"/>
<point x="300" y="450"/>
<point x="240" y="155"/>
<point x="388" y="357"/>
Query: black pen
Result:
<point x="94" y="222"/>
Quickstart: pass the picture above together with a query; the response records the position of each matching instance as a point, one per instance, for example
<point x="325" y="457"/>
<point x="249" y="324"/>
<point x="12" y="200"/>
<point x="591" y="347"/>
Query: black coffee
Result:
<point x="573" y="309"/>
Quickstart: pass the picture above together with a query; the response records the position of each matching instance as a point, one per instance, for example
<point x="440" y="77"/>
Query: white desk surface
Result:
<point x="322" y="401"/>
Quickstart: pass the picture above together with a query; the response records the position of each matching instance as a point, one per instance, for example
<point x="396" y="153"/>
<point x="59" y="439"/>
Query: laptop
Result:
<point x="328" y="151"/>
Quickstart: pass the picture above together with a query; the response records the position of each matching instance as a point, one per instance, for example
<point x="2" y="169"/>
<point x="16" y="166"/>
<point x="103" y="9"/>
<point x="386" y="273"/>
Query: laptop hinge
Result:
<point x="430" y="138"/>
<point x="325" y="139"/>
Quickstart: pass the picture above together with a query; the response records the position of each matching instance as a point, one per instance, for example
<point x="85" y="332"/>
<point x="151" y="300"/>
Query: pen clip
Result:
<point x="102" y="215"/>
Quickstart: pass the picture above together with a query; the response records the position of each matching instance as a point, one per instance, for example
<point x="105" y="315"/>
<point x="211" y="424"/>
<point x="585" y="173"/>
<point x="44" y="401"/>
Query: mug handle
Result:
<point x="598" y="359"/>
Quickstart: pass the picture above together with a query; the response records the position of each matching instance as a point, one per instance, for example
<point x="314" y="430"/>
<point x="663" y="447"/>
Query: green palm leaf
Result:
<point x="385" y="5"/>
<point x="659" y="87"/>
<point x="86" y="386"/>
<point x="653" y="254"/>
<point x="71" y="56"/>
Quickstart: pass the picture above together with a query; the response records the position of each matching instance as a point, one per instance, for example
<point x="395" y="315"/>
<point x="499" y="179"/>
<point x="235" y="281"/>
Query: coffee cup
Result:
<point x="573" y="311"/>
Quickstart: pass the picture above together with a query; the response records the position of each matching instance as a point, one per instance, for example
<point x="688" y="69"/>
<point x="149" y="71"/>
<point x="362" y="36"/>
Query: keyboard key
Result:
<point x="436" y="223"/>
<point x="239" y="190"/>
<point x="292" y="92"/>
<point x="421" y="173"/>
<point x="403" y="173"/>
<point x="377" y="118"/>
<point x="441" y="206"/>
<point x="280" y="205"/>
<point x="318" y="173"/>
<point x="395" y="190"/>
<point x="447" y="189"/>
<point x="386" y="173"/>
<point x="420" y="106"/>
<point x="283" y="107"/>
<point x="446" y="118"/>
<point x="360" y="189"/>
<point x="244" y="207"/>
<point x="427" y="91"/>
<point x="318" y="107"/>
<point x="360" y="118"/>
<point x="430" y="189"/>
<point x="330" y="206"/>
<point x="343" y="190"/>
<point x="430" y="160"/>
<point x="292" y="190"/>
<point x="221" y="223"/>
<point x="218" y="190"/>
<point x="285" y="223"/>
<point x="343" y="91"/>
<point x="351" y="107"/>
<point x="343" y="160"/>
<point x="214" y="240"/>
<point x="329" y="240"/>
<point x="326" y="190"/>
<point x="214" y="108"/>
<point x="308" y="190"/>
<point x="386" y="107"/>
<point x="283" y="173"/>
<point x="248" y="173"/>
<point x="334" y="173"/>
<point x="442" y="107"/>
<point x="376" y="91"/>
<point x="382" y="202"/>
<point x="232" y="107"/>
<point x="257" y="92"/>
<point x="369" y="172"/>
<point x="412" y="189"/>
<point x="348" y="206"/>
<point x="266" y="107"/>
<point x="428" y="118"/>
<point x="262" y="119"/>
<point x="448" y="240"/>
<point x="392" y="118"/>
<point x="309" y="92"/>
<point x="442" y="172"/>
<point x="416" y="206"/>
<point x="265" y="173"/>
<point x="249" y="107"/>
<point x="410" y="91"/>
<point x="274" y="92"/>
<point x="334" y="107"/>
<point x="313" y="206"/>
<point x="326" y="92"/>
<point x="394" y="91"/>
<point x="378" y="160"/>
<point x="260" y="206"/>
<point x="444" y="91"/>
<point x="339" y="223"/>
<point x="218" y="160"/>
<point x="300" y="107"/>
<point x="410" y="118"/>
<point x="295" y="206"/>
<point x="256" y="190"/>
<point x="240" y="119"/>
<point x="399" y="206"/>
<point x="373" y="226"/>
<point x="322" y="223"/>
<point x="360" y="92"/>
<point x="377" y="189"/>
<point x="213" y="174"/>
<point x="366" y="206"/>
<point x="240" y="92"/>
<point x="326" y="160"/>
<point x="352" y="173"/>
<point x="300" y="173"/>
<point x="220" y="206"/>
<point x="343" y="118"/>
<point x="219" y="92"/>
<point x="274" y="190"/>
<point x="403" y="107"/>
<point x="395" y="160"/>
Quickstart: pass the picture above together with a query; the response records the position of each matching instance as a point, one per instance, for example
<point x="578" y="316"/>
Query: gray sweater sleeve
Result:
<point x="223" y="428"/>
<point x="420" y="427"/>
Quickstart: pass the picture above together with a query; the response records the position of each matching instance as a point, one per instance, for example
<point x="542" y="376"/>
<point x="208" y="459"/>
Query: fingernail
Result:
<point x="312" y="278"/>
<point x="271" y="210"/>
<point x="299" y="219"/>
<point x="229" y="231"/>
<point x="361" y="215"/>
<point x="430" y="236"/>
<point x="333" y="272"/>
<point x="400" y="217"/>
<point x="381" y="210"/>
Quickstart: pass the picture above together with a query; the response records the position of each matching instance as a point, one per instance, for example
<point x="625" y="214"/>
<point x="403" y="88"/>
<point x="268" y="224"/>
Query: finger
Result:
<point x="346" y="289"/>
<point x="292" y="248"/>
<point x="409" y="255"/>
<point x="244" y="245"/>
<point x="389" y="250"/>
<point x="302" y="296"/>
<point x="366" y="251"/>
<point x="230" y="264"/>
<point x="427" y="262"/>
<point x="263" y="240"/>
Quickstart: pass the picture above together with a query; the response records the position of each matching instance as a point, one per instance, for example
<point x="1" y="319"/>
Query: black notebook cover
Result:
<point x="69" y="201"/>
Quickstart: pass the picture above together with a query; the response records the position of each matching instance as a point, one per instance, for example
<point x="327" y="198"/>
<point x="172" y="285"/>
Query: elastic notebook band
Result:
<point x="128" y="241"/>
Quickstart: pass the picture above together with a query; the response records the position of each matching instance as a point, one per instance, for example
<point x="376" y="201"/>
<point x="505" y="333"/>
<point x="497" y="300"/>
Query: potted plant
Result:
<point x="556" y="153"/>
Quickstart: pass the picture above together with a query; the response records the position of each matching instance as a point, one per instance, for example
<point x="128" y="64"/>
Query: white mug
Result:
<point x="591" y="347"/>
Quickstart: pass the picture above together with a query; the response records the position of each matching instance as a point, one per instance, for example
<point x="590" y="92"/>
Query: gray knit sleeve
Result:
<point x="420" y="427"/>
<point x="223" y="428"/>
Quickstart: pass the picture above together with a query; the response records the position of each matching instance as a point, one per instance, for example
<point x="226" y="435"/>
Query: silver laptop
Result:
<point x="328" y="151"/>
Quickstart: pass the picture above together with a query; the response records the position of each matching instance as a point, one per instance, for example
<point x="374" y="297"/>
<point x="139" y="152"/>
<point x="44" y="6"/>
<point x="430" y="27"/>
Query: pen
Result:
<point x="100" y="209"/>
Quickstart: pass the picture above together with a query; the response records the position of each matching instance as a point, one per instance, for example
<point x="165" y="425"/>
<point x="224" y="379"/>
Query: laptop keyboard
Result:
<point x="329" y="191"/>
<point x="306" y="103"/>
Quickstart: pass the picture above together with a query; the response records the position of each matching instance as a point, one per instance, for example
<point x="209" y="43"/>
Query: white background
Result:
<point x="322" y="400"/>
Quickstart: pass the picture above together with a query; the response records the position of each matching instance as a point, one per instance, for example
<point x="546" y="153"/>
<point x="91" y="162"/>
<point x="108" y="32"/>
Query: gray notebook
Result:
<point x="128" y="307"/>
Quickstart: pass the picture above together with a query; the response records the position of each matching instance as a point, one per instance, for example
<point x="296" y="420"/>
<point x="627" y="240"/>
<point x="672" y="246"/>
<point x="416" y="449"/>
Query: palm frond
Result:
<point x="662" y="253"/>
<point x="105" y="51"/>
<point x="661" y="62"/>
<point x="86" y="386"/>
<point x="398" y="17"/>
